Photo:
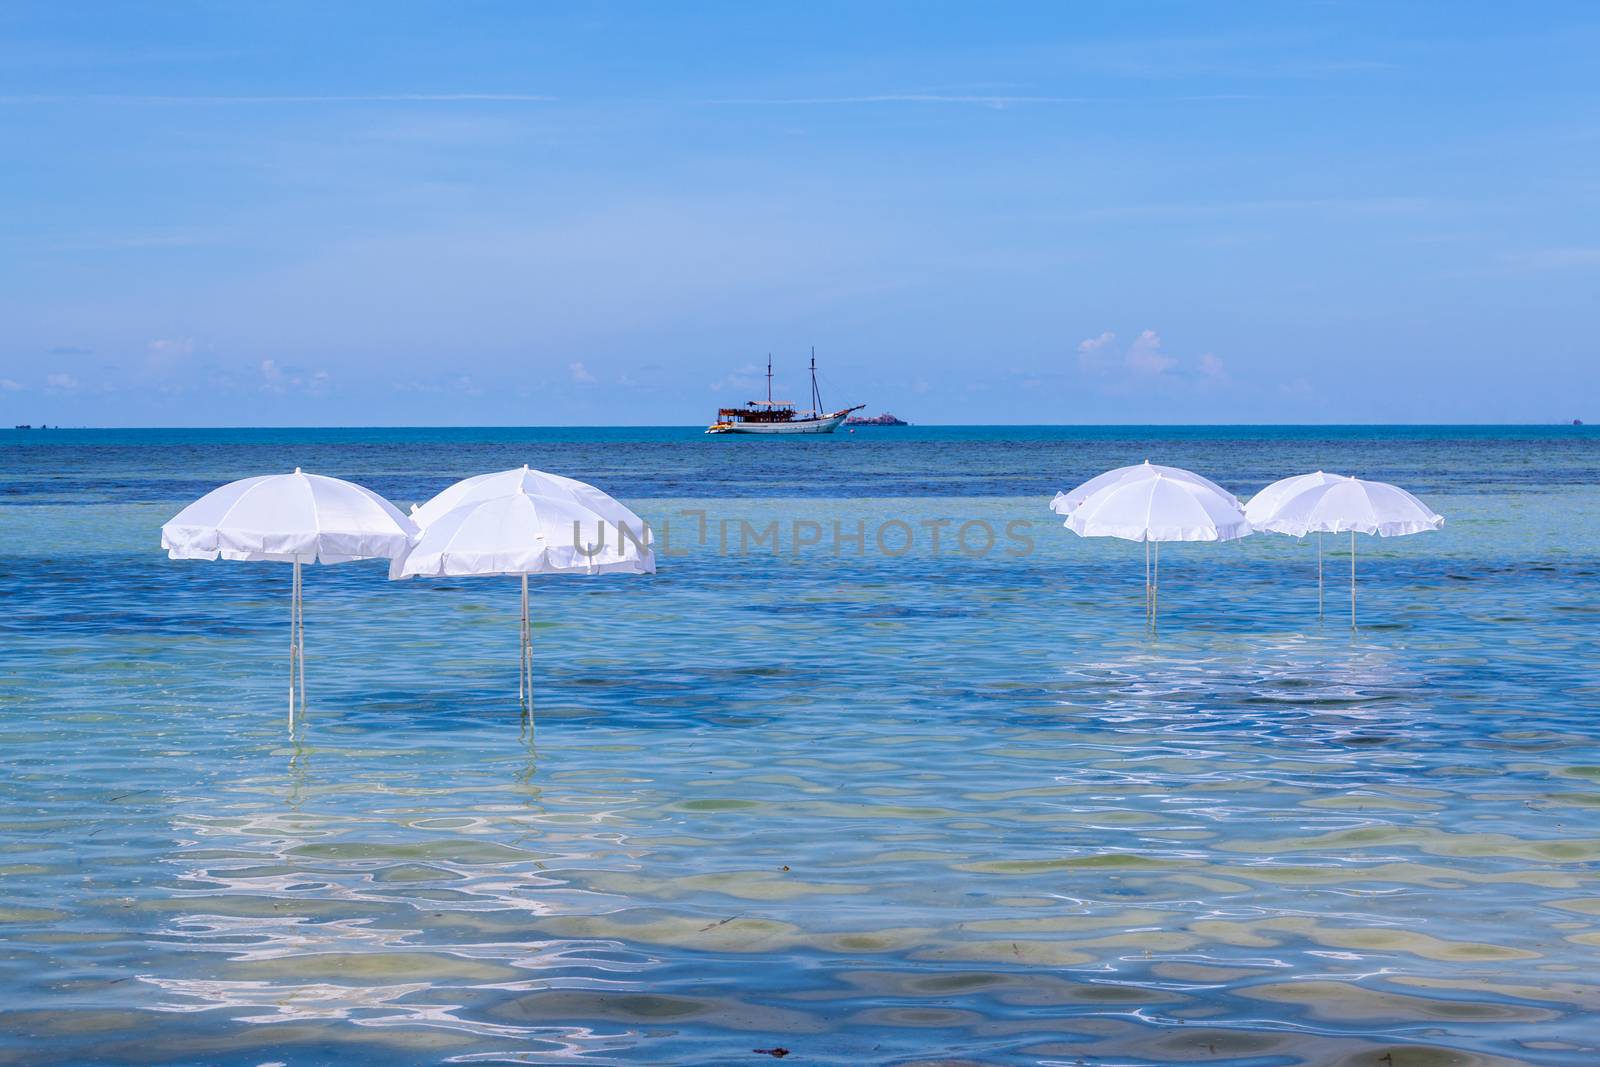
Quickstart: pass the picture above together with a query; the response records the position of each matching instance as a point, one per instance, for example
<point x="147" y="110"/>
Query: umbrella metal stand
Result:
<point x="1155" y="588"/>
<point x="1319" y="574"/>
<point x="1352" y="579"/>
<point x="525" y="668"/>
<point x="297" y="645"/>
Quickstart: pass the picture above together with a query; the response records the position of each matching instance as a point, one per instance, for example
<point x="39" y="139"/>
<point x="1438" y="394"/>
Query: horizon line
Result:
<point x="1569" y="424"/>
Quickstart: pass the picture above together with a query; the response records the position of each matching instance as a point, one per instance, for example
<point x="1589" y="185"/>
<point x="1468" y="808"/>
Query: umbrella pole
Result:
<point x="525" y="668"/>
<point x="1155" y="588"/>
<point x="527" y="662"/>
<point x="1319" y="574"/>
<point x="300" y="634"/>
<point x="293" y="582"/>
<point x="294" y="639"/>
<point x="1352" y="579"/>
<point x="1147" y="581"/>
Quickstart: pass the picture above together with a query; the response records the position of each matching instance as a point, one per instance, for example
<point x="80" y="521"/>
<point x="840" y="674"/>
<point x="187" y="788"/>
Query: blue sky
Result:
<point x="509" y="213"/>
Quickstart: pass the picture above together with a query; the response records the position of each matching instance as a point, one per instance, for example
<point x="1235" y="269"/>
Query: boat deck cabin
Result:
<point x="758" y="411"/>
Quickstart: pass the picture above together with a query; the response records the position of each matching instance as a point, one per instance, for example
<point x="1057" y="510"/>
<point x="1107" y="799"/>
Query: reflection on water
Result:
<point x="935" y="809"/>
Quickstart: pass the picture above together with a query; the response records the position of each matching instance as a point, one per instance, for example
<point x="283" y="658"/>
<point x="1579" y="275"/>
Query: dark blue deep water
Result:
<point x="823" y="783"/>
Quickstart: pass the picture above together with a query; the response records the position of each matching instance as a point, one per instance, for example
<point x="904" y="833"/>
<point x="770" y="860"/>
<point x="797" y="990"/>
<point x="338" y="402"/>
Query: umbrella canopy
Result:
<point x="1322" y="503"/>
<point x="289" y="518"/>
<point x="536" y="484"/>
<point x="1160" y="508"/>
<point x="521" y="533"/>
<point x="1332" y="503"/>
<point x="523" y="522"/>
<point x="1065" y="503"/>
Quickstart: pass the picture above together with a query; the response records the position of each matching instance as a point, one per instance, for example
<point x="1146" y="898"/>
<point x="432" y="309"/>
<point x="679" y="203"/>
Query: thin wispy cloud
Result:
<point x="910" y="98"/>
<point x="352" y="98"/>
<point x="1555" y="258"/>
<point x="105" y="241"/>
<point x="992" y="101"/>
<point x="969" y="100"/>
<point x="1304" y="207"/>
<point x="165" y="355"/>
<point x="276" y="378"/>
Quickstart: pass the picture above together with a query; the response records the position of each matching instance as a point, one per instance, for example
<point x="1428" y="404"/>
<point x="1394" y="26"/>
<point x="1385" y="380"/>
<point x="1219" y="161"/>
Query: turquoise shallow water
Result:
<point x="866" y="805"/>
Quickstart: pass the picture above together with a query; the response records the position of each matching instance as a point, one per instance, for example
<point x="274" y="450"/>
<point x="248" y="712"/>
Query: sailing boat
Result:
<point x="780" y="416"/>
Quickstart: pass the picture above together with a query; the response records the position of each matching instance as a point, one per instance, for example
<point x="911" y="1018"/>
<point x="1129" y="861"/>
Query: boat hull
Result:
<point x="827" y="424"/>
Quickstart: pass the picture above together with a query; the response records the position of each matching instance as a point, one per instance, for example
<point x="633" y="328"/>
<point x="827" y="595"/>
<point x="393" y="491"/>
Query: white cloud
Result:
<point x="10" y="385"/>
<point x="743" y="380"/>
<point x="1145" y="361"/>
<point x="1095" y="344"/>
<point x="580" y="373"/>
<point x="61" y="381"/>
<point x="165" y="354"/>
<point x="1145" y="356"/>
<point x="271" y="376"/>
<point x="1094" y="352"/>
<point x="277" y="379"/>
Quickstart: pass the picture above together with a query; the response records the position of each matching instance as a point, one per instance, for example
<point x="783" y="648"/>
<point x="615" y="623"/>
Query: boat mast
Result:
<point x="816" y="395"/>
<point x="769" y="379"/>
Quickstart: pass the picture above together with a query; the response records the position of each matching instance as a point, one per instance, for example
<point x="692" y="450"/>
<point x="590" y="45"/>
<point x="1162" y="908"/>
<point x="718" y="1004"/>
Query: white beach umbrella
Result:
<point x="1332" y="503"/>
<point x="537" y="483"/>
<point x="1065" y="503"/>
<point x="1156" y="507"/>
<point x="522" y="532"/>
<point x="289" y="518"/>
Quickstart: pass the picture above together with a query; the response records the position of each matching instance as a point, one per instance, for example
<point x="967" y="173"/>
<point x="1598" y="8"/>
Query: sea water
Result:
<point x="818" y="785"/>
